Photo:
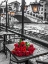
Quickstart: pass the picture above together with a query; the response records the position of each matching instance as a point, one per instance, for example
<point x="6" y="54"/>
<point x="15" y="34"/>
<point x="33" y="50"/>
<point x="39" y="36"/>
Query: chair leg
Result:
<point x="6" y="53"/>
<point x="10" y="59"/>
<point x="26" y="62"/>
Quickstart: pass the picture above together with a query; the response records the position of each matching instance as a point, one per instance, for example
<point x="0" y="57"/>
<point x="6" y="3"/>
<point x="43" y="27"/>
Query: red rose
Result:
<point x="23" y="53"/>
<point x="16" y="45"/>
<point x="13" y="51"/>
<point x="30" y="52"/>
<point x="31" y="49"/>
<point x="22" y="48"/>
<point x="31" y="45"/>
<point x="27" y="53"/>
<point x="19" y="53"/>
<point x="22" y="43"/>
<point x="17" y="49"/>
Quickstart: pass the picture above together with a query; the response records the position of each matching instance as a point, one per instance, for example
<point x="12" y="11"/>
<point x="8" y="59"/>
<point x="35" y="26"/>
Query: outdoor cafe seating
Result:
<point x="42" y="62"/>
<point x="24" y="44"/>
<point x="13" y="58"/>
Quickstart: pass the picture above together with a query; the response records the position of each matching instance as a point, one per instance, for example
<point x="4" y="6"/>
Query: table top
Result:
<point x="38" y="52"/>
<point x="4" y="32"/>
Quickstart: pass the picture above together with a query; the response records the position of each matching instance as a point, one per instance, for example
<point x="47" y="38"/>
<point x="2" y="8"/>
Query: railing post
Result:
<point x="8" y="20"/>
<point x="6" y="16"/>
<point x="23" y="4"/>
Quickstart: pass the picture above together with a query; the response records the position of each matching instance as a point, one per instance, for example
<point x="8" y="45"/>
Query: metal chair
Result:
<point x="41" y="62"/>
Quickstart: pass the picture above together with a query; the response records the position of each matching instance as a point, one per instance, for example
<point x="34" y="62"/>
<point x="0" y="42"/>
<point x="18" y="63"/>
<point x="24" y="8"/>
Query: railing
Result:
<point x="37" y="40"/>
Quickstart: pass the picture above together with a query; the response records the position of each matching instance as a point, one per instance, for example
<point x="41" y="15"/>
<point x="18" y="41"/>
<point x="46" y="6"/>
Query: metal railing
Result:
<point x="37" y="40"/>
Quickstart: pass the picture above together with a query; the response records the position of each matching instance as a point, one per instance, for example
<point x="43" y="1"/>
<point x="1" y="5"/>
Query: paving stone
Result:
<point x="4" y="60"/>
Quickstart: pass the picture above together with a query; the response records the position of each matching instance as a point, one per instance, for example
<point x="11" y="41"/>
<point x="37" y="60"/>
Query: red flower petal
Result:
<point x="16" y="45"/>
<point x="27" y="53"/>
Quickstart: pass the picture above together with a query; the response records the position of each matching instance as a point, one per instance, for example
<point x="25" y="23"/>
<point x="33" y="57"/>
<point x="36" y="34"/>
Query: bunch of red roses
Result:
<point x="23" y="49"/>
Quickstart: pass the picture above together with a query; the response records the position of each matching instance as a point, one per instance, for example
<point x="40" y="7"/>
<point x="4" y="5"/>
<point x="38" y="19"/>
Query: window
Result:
<point x="41" y="9"/>
<point x="41" y="12"/>
<point x="45" y="9"/>
<point x="33" y="14"/>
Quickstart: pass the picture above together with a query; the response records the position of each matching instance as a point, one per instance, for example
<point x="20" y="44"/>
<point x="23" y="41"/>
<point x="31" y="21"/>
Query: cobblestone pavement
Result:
<point x="3" y="59"/>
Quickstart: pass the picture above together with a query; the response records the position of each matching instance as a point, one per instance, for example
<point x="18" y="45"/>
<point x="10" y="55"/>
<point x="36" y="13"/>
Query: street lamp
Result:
<point x="35" y="6"/>
<point x="10" y="13"/>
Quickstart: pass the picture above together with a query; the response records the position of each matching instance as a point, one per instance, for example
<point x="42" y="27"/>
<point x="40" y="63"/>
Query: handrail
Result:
<point x="37" y="40"/>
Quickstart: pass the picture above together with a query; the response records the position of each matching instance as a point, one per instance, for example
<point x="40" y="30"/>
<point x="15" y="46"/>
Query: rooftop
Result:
<point x="14" y="2"/>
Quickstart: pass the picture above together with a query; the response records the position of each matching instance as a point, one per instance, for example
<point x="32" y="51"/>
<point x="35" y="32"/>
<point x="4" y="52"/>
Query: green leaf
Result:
<point x="27" y="44"/>
<point x="20" y="41"/>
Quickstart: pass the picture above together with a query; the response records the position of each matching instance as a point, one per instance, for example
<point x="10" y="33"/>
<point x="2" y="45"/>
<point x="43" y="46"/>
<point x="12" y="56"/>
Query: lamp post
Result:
<point x="0" y="14"/>
<point x="23" y="4"/>
<point x="6" y="12"/>
<point x="6" y="16"/>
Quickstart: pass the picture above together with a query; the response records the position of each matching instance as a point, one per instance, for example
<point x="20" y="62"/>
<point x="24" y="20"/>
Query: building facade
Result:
<point x="41" y="10"/>
<point x="46" y="9"/>
<point x="15" y="6"/>
<point x="2" y="9"/>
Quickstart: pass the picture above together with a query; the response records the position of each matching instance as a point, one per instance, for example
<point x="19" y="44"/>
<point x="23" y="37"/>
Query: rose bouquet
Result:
<point x="23" y="48"/>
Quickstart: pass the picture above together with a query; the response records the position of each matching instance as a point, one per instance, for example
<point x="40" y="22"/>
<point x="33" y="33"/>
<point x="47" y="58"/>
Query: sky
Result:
<point x="27" y="1"/>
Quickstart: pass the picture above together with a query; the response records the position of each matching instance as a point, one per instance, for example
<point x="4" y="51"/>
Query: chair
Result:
<point x="41" y="62"/>
<point x="11" y="41"/>
<point x="8" y="46"/>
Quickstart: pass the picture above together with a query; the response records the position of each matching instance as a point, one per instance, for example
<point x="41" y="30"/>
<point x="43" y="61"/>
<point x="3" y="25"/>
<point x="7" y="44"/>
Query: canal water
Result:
<point x="34" y="30"/>
<point x="29" y="26"/>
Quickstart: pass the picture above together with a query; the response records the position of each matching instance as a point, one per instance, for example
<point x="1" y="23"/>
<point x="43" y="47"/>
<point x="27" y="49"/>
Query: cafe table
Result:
<point x="4" y="34"/>
<point x="39" y="51"/>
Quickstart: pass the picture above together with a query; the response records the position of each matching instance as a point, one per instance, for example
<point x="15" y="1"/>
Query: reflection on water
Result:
<point x="30" y="25"/>
<point x="37" y="30"/>
<point x="27" y="26"/>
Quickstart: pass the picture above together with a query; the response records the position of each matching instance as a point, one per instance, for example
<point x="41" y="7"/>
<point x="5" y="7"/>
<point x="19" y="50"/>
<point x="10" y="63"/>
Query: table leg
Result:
<point x="26" y="62"/>
<point x="10" y="59"/>
<point x="5" y="38"/>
